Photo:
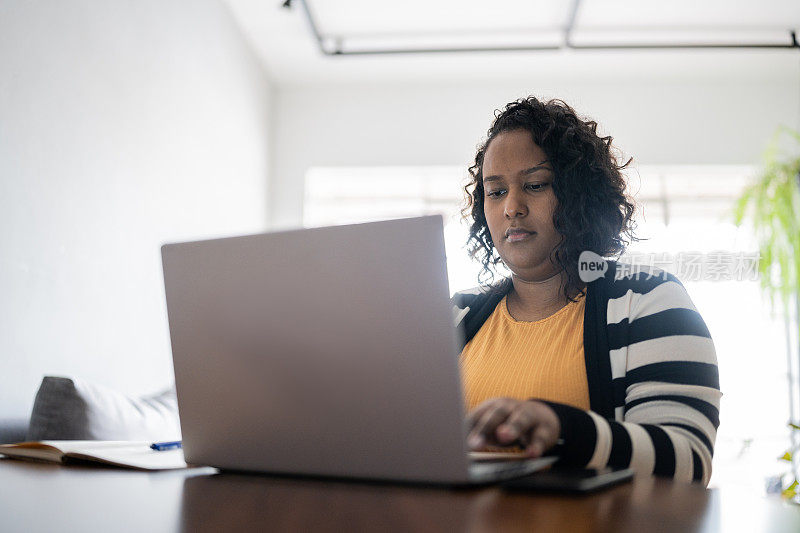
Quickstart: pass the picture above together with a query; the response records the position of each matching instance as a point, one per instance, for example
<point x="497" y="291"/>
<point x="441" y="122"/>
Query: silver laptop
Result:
<point x="327" y="351"/>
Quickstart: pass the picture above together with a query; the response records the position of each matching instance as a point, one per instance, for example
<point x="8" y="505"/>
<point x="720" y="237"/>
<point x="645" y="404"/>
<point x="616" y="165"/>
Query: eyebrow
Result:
<point x="540" y="166"/>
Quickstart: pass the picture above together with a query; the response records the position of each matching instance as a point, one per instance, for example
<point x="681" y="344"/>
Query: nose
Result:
<point x="515" y="206"/>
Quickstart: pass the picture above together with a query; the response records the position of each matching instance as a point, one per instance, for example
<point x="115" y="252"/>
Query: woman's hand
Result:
<point x="506" y="422"/>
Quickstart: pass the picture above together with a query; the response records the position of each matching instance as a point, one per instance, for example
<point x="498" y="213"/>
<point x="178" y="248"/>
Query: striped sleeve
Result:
<point x="665" y="371"/>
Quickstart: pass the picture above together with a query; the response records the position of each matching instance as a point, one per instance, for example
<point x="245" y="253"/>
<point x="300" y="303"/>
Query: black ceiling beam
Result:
<point x="337" y="50"/>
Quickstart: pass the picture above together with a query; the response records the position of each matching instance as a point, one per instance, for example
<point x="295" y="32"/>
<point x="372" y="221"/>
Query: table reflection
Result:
<point x="239" y="502"/>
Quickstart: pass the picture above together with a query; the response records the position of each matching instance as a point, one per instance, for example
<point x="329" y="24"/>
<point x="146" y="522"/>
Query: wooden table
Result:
<point x="43" y="497"/>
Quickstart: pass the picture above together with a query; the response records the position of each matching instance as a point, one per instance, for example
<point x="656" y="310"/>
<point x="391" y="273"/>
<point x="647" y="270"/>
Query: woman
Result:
<point x="619" y="371"/>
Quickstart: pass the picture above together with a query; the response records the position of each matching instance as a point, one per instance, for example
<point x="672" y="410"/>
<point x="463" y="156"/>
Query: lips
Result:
<point x="518" y="234"/>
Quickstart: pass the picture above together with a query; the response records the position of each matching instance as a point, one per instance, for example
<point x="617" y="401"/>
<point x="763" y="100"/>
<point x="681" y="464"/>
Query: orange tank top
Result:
<point x="542" y="359"/>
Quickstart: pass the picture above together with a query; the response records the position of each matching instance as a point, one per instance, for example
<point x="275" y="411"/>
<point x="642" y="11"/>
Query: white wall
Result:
<point x="667" y="120"/>
<point x="122" y="125"/>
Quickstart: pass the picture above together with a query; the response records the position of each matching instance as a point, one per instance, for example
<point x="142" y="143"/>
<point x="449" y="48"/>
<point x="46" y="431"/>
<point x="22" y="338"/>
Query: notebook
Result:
<point x="125" y="454"/>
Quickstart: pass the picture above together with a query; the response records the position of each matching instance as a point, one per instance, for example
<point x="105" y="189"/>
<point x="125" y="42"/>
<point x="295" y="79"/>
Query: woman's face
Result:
<point x="519" y="202"/>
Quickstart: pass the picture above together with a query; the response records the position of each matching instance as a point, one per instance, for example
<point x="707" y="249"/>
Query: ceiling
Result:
<point x="284" y="42"/>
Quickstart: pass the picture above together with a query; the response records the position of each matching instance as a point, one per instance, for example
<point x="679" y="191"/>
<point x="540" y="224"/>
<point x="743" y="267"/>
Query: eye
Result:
<point x="496" y="193"/>
<point x="536" y="187"/>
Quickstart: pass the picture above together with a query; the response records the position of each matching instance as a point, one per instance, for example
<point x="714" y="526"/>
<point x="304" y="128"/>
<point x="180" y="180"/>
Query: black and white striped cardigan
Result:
<point x="652" y="375"/>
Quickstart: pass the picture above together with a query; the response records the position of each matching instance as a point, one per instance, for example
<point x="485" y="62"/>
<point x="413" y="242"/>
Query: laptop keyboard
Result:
<point x="507" y="469"/>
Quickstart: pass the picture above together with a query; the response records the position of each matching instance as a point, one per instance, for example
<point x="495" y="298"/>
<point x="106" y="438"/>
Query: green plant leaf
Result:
<point x="791" y="490"/>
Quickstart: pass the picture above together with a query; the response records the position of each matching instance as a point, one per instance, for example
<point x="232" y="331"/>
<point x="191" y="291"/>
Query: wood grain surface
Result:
<point x="42" y="497"/>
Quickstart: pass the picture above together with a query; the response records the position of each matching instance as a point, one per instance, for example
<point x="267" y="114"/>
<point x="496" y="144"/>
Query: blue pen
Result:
<point x="161" y="446"/>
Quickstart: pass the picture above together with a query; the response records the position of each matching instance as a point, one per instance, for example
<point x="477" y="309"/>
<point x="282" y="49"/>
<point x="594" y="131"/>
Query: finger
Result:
<point x="475" y="415"/>
<point x="483" y="432"/>
<point x="479" y="412"/>
<point x="516" y="427"/>
<point x="542" y="438"/>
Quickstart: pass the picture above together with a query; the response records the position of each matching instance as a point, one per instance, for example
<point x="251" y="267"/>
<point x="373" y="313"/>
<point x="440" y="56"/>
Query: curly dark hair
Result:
<point x="593" y="213"/>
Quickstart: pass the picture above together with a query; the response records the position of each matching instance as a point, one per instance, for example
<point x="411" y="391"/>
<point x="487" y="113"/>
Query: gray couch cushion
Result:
<point x="69" y="408"/>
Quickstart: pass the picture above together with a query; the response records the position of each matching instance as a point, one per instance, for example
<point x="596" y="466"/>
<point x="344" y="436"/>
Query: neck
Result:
<point x="538" y="296"/>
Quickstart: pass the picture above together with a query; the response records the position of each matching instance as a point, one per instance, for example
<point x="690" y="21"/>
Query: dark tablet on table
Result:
<point x="570" y="480"/>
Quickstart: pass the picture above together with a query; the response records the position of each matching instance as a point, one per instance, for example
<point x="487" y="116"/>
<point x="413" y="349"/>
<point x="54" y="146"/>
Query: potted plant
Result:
<point x="771" y="206"/>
